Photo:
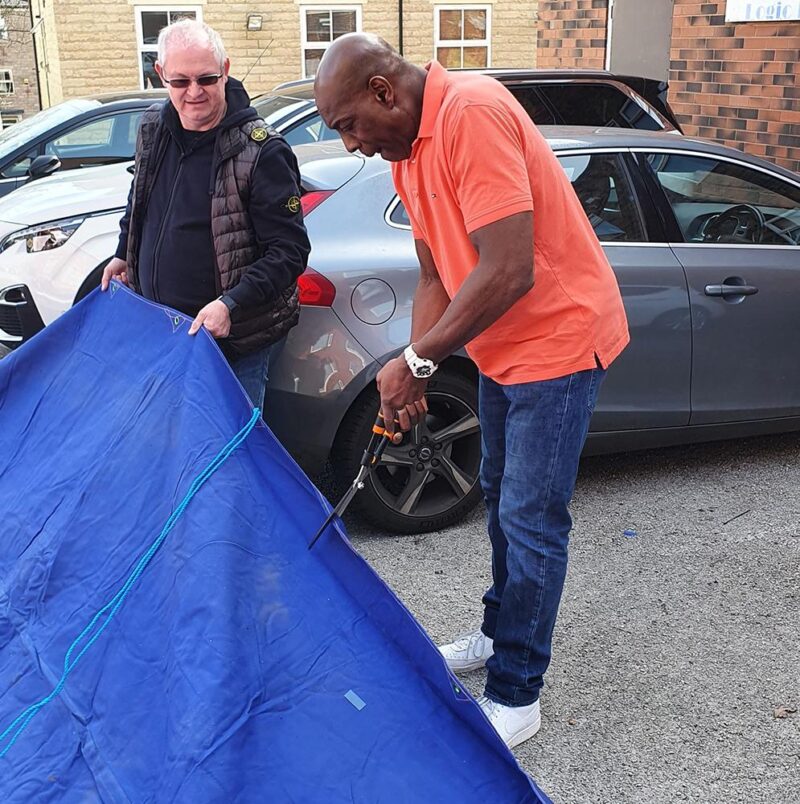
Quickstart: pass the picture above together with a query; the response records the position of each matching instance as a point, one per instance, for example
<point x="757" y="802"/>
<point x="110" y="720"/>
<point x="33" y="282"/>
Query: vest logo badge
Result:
<point x="293" y="205"/>
<point x="258" y="134"/>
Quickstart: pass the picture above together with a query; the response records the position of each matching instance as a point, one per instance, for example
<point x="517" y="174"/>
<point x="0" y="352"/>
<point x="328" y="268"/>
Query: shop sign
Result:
<point x="762" y="10"/>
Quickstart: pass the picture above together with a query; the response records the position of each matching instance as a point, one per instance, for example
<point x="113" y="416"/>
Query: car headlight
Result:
<point x="43" y="236"/>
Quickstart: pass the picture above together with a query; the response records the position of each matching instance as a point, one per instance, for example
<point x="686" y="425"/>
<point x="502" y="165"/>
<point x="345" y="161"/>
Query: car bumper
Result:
<point x="315" y="375"/>
<point x="19" y="316"/>
<point x="51" y="277"/>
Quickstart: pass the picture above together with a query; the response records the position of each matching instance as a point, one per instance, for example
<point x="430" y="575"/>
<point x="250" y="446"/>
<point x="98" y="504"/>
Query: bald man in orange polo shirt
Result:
<point x="510" y="269"/>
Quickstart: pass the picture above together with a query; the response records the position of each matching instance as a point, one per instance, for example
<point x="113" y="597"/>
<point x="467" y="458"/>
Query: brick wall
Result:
<point x="16" y="55"/>
<point x="572" y="33"/>
<point x="737" y="82"/>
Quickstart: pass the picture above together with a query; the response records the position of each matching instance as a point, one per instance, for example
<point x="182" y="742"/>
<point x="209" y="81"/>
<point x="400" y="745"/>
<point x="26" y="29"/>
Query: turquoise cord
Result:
<point x="116" y="602"/>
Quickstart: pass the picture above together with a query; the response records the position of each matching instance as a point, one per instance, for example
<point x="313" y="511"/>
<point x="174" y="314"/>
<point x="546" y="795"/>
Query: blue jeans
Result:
<point x="532" y="437"/>
<point x="252" y="371"/>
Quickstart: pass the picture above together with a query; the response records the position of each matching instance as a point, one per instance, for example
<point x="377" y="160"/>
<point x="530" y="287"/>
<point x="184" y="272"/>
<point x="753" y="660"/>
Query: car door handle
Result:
<point x="731" y="290"/>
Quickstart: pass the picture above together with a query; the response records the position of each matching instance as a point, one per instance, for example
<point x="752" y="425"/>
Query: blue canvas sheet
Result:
<point x="240" y="667"/>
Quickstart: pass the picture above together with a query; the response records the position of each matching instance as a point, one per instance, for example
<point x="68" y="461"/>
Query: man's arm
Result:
<point x="430" y="297"/>
<point x="274" y="210"/>
<point x="430" y="302"/>
<point x="118" y="266"/>
<point x="496" y="203"/>
<point x="503" y="275"/>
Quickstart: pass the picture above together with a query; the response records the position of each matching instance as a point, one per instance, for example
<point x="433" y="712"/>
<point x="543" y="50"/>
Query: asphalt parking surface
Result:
<point x="677" y="651"/>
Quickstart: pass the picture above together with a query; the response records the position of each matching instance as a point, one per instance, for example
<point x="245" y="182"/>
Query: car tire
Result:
<point x="431" y="479"/>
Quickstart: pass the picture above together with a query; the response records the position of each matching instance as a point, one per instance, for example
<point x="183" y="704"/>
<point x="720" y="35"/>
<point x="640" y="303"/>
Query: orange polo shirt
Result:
<point x="479" y="158"/>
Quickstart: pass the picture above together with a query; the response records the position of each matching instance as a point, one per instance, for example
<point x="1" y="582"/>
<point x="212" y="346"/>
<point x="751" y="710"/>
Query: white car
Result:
<point x="56" y="236"/>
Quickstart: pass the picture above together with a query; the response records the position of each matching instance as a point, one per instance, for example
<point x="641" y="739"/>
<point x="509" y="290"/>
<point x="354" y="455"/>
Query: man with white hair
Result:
<point x="213" y="226"/>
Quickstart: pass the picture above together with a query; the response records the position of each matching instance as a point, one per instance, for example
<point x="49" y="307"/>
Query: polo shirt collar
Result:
<point x="432" y="98"/>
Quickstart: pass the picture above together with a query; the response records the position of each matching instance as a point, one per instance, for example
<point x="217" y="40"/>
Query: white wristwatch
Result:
<point x="420" y="367"/>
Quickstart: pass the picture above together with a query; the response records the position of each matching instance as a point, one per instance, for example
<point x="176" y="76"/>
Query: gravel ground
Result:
<point x="676" y="647"/>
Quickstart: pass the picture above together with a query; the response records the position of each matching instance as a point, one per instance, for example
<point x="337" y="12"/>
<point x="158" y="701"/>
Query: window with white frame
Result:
<point x="3" y="29"/>
<point x="9" y="118"/>
<point x="462" y="35"/>
<point x="319" y="26"/>
<point x="149" y="22"/>
<point x="6" y="82"/>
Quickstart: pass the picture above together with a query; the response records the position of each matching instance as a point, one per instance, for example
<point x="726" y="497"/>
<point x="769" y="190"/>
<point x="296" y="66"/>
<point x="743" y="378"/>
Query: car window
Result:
<point x="19" y="167"/>
<point x="276" y="108"/>
<point x="129" y="123"/>
<point x="534" y="105"/>
<point x="112" y="137"/>
<point x="603" y="188"/>
<point x="583" y="103"/>
<point x="716" y="201"/>
<point x="398" y="215"/>
<point x="605" y="193"/>
<point x="311" y="129"/>
<point x="97" y="132"/>
<point x="32" y="127"/>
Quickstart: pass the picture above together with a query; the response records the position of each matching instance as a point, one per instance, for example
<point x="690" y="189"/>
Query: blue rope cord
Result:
<point x="21" y="722"/>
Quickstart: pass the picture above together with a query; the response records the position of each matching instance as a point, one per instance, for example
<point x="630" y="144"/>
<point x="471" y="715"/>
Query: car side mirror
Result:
<point x="44" y="165"/>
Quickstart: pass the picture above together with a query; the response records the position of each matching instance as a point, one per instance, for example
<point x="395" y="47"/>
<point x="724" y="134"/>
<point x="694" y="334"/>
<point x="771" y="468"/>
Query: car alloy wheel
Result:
<point x="429" y="480"/>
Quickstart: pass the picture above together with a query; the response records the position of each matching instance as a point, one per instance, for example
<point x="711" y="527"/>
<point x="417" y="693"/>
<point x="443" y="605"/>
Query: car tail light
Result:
<point x="315" y="289"/>
<point x="313" y="199"/>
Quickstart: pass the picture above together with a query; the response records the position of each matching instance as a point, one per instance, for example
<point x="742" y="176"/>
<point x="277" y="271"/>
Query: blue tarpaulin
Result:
<point x="240" y="667"/>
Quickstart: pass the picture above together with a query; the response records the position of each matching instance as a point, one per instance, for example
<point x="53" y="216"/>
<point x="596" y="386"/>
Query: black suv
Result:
<point x="551" y="97"/>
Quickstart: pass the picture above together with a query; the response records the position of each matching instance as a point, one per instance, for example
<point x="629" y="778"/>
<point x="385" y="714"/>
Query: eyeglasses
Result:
<point x="203" y="81"/>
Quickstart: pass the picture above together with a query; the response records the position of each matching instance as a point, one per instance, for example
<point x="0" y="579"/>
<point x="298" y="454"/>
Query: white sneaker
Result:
<point x="514" y="724"/>
<point x="468" y="652"/>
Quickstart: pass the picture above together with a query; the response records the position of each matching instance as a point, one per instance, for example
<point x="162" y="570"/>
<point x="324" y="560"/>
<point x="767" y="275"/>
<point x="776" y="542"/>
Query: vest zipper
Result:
<point x="163" y="226"/>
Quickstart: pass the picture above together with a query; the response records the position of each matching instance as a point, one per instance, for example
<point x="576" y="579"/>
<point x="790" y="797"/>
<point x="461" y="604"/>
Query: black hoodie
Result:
<point x="176" y="264"/>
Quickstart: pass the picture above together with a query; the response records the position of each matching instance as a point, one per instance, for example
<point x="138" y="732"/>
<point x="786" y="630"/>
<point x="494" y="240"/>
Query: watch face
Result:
<point x="423" y="371"/>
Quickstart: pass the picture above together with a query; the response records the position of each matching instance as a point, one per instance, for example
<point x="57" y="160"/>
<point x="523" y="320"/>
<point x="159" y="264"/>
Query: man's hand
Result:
<point x="215" y="317"/>
<point x="402" y="395"/>
<point x="116" y="269"/>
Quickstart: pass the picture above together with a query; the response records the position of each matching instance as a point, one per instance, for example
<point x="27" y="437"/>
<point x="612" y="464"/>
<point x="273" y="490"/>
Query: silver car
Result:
<point x="705" y="243"/>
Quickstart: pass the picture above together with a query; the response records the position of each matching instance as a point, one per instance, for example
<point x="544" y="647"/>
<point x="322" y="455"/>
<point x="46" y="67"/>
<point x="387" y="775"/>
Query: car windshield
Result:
<point x="31" y="127"/>
<point x="276" y="108"/>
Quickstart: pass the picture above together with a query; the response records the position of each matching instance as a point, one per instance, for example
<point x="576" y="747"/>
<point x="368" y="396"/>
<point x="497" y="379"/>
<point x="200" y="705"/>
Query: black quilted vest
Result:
<point x="235" y="244"/>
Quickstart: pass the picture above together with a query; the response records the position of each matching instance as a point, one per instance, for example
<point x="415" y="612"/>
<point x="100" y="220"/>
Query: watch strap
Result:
<point x="228" y="302"/>
<point x="420" y="367"/>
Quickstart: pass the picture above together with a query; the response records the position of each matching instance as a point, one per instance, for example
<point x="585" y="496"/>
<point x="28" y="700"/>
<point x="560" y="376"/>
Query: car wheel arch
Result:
<point x="91" y="282"/>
